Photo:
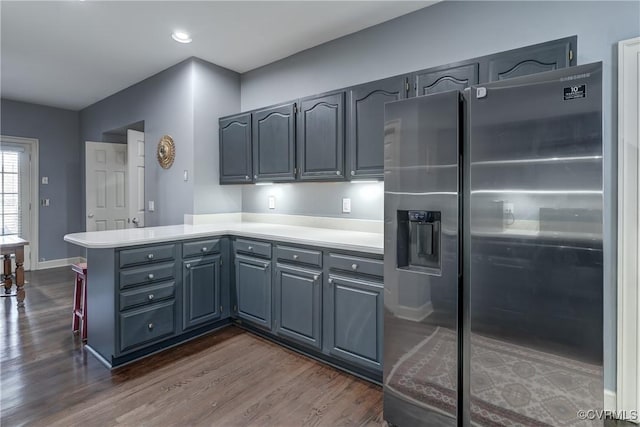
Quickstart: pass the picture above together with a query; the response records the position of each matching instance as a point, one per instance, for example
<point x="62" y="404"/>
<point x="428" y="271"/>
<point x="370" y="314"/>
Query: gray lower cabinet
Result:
<point x="298" y="304"/>
<point x="201" y="291"/>
<point x="448" y="78"/>
<point x="274" y="143"/>
<point x="353" y="320"/>
<point x="236" y="165"/>
<point x="143" y="326"/>
<point x="253" y="290"/>
<point x="321" y="135"/>
<point x="365" y="137"/>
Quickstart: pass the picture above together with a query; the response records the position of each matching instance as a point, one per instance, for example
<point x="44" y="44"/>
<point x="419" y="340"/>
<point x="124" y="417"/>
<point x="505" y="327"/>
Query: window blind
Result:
<point x="10" y="214"/>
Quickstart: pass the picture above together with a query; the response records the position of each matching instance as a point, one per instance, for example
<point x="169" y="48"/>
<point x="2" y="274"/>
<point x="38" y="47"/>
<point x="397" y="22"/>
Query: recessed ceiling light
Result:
<point x="181" y="37"/>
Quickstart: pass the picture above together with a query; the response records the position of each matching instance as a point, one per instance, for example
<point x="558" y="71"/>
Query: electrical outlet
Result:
<point x="272" y="202"/>
<point x="346" y="205"/>
<point x="44" y="202"/>
<point x="152" y="206"/>
<point x="45" y="180"/>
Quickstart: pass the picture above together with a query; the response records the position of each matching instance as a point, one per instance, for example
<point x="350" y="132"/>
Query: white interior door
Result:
<point x="135" y="167"/>
<point x="106" y="186"/>
<point x="628" y="357"/>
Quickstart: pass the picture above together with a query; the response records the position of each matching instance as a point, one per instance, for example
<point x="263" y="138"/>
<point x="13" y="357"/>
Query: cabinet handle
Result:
<point x="150" y="256"/>
<point x="150" y="326"/>
<point x="188" y="266"/>
<point x="295" y="257"/>
<point x="204" y="249"/>
<point x="150" y="276"/>
<point x="150" y="297"/>
<point x="354" y="266"/>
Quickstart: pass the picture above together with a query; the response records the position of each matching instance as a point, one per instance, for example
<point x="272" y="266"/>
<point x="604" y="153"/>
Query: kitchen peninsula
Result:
<point x="315" y="290"/>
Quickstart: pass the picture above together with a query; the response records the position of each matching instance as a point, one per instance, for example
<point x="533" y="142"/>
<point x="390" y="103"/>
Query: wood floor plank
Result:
<point x="226" y="378"/>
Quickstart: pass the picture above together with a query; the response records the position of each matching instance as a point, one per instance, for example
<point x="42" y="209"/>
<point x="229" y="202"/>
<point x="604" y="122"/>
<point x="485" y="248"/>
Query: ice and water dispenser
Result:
<point x="419" y="240"/>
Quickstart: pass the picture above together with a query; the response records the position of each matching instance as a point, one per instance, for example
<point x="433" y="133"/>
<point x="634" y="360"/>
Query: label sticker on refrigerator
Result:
<point x="575" y="92"/>
<point x="481" y="92"/>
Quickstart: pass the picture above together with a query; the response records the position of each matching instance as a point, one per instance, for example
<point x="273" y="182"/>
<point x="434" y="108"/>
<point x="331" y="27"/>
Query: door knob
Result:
<point x="135" y="221"/>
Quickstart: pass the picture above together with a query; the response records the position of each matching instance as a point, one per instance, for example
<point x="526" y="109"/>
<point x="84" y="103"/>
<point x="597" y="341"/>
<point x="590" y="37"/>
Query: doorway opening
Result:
<point x="19" y="194"/>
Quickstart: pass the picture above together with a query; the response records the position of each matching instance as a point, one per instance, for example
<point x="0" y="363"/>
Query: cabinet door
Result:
<point x="442" y="80"/>
<point x="274" y="143"/>
<point x="354" y="321"/>
<point x="532" y="59"/>
<point x="321" y="137"/>
<point x="235" y="149"/>
<point x="298" y="304"/>
<point x="253" y="290"/>
<point x="365" y="135"/>
<point x="201" y="291"/>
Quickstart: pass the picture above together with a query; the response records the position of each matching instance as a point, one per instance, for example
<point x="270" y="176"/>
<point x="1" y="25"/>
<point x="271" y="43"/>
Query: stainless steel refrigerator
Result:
<point x="493" y="253"/>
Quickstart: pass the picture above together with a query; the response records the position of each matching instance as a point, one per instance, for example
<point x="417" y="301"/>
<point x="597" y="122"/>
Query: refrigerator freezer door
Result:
<point x="421" y="260"/>
<point x="535" y="268"/>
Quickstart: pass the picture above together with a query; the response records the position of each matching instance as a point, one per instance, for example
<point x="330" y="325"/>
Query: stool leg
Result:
<point x="84" y="308"/>
<point x="75" y="322"/>
<point x="7" y="274"/>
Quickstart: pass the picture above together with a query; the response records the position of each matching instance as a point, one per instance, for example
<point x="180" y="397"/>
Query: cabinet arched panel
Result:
<point x="442" y="80"/>
<point x="321" y="137"/>
<point x="274" y="143"/>
<point x="235" y="149"/>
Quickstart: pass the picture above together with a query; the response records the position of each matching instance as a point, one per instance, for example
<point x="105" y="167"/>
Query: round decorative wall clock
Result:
<point x="166" y="151"/>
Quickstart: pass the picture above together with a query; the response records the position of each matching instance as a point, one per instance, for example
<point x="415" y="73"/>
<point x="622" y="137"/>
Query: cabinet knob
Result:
<point x="150" y="326"/>
<point x="150" y="276"/>
<point x="250" y="248"/>
<point x="255" y="176"/>
<point x="204" y="249"/>
<point x="295" y="256"/>
<point x="150" y="256"/>
<point x="150" y="297"/>
<point x="188" y="266"/>
<point x="330" y="281"/>
<point x="246" y="177"/>
<point x="353" y="173"/>
<point x="354" y="266"/>
<point x="337" y="172"/>
<point x="315" y="277"/>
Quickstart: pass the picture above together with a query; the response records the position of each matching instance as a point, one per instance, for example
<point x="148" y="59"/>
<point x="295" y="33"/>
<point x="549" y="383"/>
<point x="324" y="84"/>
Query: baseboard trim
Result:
<point x="62" y="262"/>
<point x="610" y="401"/>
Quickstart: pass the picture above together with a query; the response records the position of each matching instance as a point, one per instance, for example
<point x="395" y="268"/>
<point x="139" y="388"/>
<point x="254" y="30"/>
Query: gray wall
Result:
<point x="165" y="103"/>
<point x="216" y="94"/>
<point x="449" y="32"/>
<point x="57" y="132"/>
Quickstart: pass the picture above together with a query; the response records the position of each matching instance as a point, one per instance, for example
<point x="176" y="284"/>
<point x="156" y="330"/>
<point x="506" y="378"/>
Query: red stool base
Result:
<point x="79" y="321"/>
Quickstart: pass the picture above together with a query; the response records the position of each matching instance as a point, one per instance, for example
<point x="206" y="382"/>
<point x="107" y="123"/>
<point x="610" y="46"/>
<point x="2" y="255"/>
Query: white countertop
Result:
<point x="322" y="237"/>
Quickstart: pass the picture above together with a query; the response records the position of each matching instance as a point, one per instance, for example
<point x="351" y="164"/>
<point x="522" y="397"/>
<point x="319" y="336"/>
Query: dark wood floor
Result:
<point x="226" y="378"/>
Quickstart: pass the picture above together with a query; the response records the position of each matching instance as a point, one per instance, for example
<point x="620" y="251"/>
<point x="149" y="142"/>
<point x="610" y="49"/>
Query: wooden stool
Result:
<point x="79" y="322"/>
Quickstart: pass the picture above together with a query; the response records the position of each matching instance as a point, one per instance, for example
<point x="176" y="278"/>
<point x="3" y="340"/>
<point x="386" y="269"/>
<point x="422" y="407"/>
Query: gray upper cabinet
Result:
<point x="365" y="137"/>
<point x="298" y="304"/>
<point x="235" y="149"/>
<point x="532" y="59"/>
<point x="443" y="79"/>
<point x="201" y="291"/>
<point x="274" y="143"/>
<point x="321" y="135"/>
<point x="253" y="290"/>
<point x="353" y="321"/>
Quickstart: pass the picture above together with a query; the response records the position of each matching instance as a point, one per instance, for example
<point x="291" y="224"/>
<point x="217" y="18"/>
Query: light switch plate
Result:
<point x="346" y="205"/>
<point x="45" y="179"/>
<point x="152" y="206"/>
<point x="272" y="202"/>
<point x="186" y="175"/>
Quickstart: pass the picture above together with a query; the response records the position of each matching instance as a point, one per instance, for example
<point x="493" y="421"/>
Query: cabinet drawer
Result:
<point x="254" y="248"/>
<point x="201" y="248"/>
<point x="372" y="267"/>
<point x="146" y="324"/>
<point x="297" y="255"/>
<point x="147" y="254"/>
<point x="146" y="274"/>
<point x="147" y="295"/>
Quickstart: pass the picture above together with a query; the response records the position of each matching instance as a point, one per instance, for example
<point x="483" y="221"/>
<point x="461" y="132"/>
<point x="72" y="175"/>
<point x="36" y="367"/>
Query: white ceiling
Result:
<point x="71" y="54"/>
